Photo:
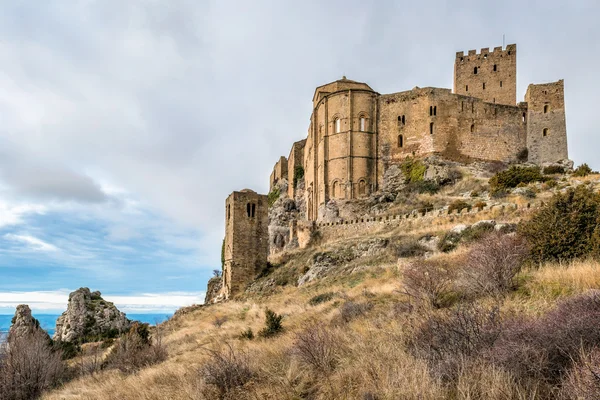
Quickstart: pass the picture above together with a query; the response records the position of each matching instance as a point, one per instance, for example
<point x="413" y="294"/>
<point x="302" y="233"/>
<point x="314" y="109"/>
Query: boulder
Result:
<point x="89" y="317"/>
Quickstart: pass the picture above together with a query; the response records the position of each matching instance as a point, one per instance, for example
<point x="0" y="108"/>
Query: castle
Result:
<point x="355" y="134"/>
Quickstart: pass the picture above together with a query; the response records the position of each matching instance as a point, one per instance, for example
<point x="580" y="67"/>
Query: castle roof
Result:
<point x="336" y="86"/>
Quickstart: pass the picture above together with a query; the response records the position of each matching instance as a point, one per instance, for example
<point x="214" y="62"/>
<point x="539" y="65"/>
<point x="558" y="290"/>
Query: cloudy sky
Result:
<point x="125" y="124"/>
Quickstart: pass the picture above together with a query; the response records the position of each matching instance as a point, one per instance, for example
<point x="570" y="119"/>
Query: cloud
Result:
<point x="33" y="242"/>
<point x="56" y="301"/>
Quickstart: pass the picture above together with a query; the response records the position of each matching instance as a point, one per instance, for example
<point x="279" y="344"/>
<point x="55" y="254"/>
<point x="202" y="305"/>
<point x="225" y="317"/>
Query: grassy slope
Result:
<point x="371" y="356"/>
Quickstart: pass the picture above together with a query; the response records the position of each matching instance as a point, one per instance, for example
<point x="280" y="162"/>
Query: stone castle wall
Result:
<point x="280" y="170"/>
<point x="295" y="159"/>
<point x="330" y="231"/>
<point x="246" y="240"/>
<point x="546" y="123"/>
<point x="490" y="76"/>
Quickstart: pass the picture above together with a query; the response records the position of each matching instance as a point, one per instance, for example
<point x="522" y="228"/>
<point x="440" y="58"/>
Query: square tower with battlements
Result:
<point x="246" y="244"/>
<point x="490" y="76"/>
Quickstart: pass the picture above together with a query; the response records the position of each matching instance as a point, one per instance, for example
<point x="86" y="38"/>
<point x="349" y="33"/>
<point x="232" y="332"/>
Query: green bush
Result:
<point x="321" y="298"/>
<point x="413" y="170"/>
<point x="273" y="196"/>
<point x="298" y="174"/>
<point x="554" y="169"/>
<point x="566" y="227"/>
<point x="523" y="155"/>
<point x="247" y="334"/>
<point x="273" y="324"/>
<point x="512" y="177"/>
<point x="582" y="170"/>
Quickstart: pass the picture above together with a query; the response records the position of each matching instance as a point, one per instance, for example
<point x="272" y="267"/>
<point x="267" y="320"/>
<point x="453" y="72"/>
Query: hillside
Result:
<point x="384" y="314"/>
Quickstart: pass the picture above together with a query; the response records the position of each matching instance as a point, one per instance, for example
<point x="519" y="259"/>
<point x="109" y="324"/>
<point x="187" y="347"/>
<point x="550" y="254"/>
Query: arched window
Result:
<point x="403" y="120"/>
<point x="500" y="83"/>
<point x="472" y="128"/>
<point x="228" y="212"/>
<point x="495" y="68"/>
<point x="475" y="70"/>
<point x="430" y="110"/>
<point x="248" y="211"/>
<point x="253" y="210"/>
<point x="337" y="123"/>
<point x="363" y="123"/>
<point x="466" y="88"/>
<point x="335" y="189"/>
<point x="483" y="85"/>
<point x="362" y="187"/>
<point x="434" y="110"/>
<point x="524" y="117"/>
<point x="546" y="108"/>
<point x="400" y="141"/>
<point x="545" y="132"/>
<point x="431" y="128"/>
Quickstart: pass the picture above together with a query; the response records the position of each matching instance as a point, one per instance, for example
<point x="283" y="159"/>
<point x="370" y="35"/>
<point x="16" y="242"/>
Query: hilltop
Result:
<point x="441" y="305"/>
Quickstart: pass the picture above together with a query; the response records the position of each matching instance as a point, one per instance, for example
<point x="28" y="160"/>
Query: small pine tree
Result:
<point x="273" y="324"/>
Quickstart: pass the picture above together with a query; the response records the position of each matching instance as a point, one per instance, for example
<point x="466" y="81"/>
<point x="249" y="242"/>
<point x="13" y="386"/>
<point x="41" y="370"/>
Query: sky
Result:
<point x="124" y="125"/>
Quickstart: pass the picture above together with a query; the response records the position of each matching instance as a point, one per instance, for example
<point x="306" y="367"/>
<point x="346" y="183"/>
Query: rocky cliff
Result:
<point x="89" y="317"/>
<point x="23" y="323"/>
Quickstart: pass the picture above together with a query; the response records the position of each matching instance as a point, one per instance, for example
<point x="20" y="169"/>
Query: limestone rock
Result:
<point x="23" y="323"/>
<point x="460" y="228"/>
<point x="88" y="317"/>
<point x="213" y="289"/>
<point x="393" y="180"/>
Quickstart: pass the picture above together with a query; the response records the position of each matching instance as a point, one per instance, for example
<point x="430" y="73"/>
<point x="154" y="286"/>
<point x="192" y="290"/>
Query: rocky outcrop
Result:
<point x="213" y="290"/>
<point x="23" y="323"/>
<point x="89" y="317"/>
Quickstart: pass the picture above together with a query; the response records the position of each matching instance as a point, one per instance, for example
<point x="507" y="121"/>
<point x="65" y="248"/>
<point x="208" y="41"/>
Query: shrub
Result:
<point x="554" y="169"/>
<point x="219" y="320"/>
<point x="298" y="174"/>
<point x="476" y="231"/>
<point x="273" y="196"/>
<point x="583" y="380"/>
<point x="413" y="170"/>
<point x="493" y="263"/>
<point x="247" y="334"/>
<point x="136" y="350"/>
<point x="351" y="310"/>
<point x="321" y="298"/>
<point x="428" y="281"/>
<point x="410" y="248"/>
<point x="449" y="241"/>
<point x="29" y="366"/>
<point x="273" y="324"/>
<point x="514" y="176"/>
<point x="480" y="205"/>
<point x="564" y="228"/>
<point x="582" y="170"/>
<point x="446" y="340"/>
<point x="226" y="372"/>
<point x="545" y="348"/>
<point x="458" y="205"/>
<point x="317" y="348"/>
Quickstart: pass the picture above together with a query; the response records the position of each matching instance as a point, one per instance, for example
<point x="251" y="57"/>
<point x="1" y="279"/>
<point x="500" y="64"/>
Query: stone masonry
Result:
<point x="355" y="134"/>
<point x="246" y="240"/>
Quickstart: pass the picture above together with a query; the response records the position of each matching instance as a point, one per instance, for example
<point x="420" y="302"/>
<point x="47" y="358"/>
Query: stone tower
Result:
<point x="490" y="76"/>
<point x="546" y="122"/>
<point x="246" y="240"/>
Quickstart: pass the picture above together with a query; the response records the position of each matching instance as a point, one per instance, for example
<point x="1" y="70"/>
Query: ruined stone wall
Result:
<point x="546" y="123"/>
<point x="490" y="76"/>
<point x="246" y="240"/>
<point x="280" y="170"/>
<point x="295" y="159"/>
<point x="342" y="229"/>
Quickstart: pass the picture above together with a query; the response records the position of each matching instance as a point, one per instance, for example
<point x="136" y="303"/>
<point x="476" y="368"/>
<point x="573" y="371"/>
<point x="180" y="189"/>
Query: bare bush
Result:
<point x="428" y="281"/>
<point x="351" y="310"/>
<point x="583" y="380"/>
<point x="493" y="263"/>
<point x="136" y="349"/>
<point x="226" y="372"/>
<point x="544" y="349"/>
<point x="28" y="366"/>
<point x="318" y="348"/>
<point x="446" y="340"/>
<point x="219" y="320"/>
